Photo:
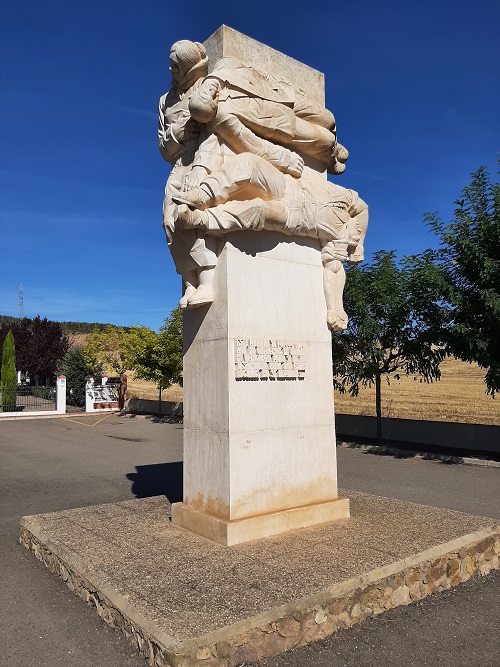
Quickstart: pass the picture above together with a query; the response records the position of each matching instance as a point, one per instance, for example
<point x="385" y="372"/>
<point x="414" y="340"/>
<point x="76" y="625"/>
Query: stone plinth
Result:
<point x="259" y="437"/>
<point x="183" y="601"/>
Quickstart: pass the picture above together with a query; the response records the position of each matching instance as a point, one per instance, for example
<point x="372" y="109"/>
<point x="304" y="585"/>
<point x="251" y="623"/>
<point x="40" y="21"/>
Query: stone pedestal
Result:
<point x="259" y="438"/>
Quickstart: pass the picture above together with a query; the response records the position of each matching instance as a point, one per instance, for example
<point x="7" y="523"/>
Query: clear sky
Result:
<point x="414" y="87"/>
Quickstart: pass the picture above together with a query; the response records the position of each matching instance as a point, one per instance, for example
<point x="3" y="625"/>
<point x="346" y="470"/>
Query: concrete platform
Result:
<point x="185" y="601"/>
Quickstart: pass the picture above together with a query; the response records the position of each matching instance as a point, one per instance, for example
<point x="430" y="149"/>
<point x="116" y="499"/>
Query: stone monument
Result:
<point x="259" y="236"/>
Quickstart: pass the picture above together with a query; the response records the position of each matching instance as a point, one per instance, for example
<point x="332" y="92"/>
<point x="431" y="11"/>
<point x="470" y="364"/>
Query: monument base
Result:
<point x="184" y="601"/>
<point x="229" y="533"/>
<point x="259" y="433"/>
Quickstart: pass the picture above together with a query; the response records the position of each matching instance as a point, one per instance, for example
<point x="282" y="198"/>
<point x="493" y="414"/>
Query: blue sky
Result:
<point x="414" y="87"/>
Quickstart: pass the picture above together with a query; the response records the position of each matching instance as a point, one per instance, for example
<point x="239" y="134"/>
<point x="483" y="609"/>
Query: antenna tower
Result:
<point x="21" y="302"/>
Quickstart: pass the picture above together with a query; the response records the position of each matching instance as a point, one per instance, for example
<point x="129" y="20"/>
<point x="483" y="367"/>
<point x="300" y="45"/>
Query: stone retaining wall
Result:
<point x="456" y="436"/>
<point x="481" y="438"/>
<point x="142" y="406"/>
<point x="303" y="621"/>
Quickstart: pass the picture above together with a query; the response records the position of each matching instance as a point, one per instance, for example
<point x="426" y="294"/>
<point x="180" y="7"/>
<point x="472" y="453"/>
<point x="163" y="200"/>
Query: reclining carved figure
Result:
<point x="249" y="193"/>
<point x="234" y="98"/>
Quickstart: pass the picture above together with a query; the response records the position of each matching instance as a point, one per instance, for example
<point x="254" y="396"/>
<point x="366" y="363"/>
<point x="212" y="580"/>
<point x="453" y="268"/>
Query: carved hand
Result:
<point x="295" y="165"/>
<point x="194" y="177"/>
<point x="184" y="129"/>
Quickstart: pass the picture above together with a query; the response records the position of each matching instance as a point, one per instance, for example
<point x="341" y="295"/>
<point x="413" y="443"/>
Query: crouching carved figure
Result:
<point x="237" y="140"/>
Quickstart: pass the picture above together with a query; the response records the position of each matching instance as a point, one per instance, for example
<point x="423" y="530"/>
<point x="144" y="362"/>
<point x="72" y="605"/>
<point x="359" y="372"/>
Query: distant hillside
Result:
<point x="68" y="327"/>
<point x="86" y="327"/>
<point x="6" y="319"/>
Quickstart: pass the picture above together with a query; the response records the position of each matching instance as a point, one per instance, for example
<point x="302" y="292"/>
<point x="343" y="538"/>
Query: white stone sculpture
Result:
<point x="259" y="236"/>
<point x="237" y="139"/>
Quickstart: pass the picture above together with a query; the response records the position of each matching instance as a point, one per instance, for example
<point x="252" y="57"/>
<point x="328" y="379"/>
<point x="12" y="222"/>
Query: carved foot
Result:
<point x="341" y="153"/>
<point x="337" y="319"/>
<point x="195" y="198"/>
<point x="201" y="296"/>
<point x="190" y="291"/>
<point x="339" y="157"/>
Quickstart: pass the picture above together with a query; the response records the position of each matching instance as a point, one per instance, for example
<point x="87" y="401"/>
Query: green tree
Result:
<point x="115" y="348"/>
<point x="134" y="342"/>
<point x="76" y="369"/>
<point x="104" y="348"/>
<point x="9" y="376"/>
<point x="40" y="345"/>
<point x="468" y="271"/>
<point x="393" y="319"/>
<point x="160" y="359"/>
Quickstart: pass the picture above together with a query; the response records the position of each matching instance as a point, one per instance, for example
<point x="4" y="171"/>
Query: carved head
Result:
<point x="188" y="62"/>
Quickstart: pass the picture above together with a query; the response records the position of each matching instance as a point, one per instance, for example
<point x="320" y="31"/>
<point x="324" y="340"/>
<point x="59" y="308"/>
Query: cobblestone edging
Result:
<point x="304" y="621"/>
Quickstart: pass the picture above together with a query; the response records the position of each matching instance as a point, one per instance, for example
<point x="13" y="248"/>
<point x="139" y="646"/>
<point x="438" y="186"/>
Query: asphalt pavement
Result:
<point x="54" y="464"/>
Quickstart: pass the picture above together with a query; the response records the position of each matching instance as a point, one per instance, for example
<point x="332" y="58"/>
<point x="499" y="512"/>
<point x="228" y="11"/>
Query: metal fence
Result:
<point x="31" y="399"/>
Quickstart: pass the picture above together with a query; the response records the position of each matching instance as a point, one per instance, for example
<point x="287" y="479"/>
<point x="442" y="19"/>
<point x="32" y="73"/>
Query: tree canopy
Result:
<point x="393" y="320"/>
<point x="104" y="348"/>
<point x="467" y="272"/>
<point x="160" y="360"/>
<point x="114" y="349"/>
<point x="40" y="345"/>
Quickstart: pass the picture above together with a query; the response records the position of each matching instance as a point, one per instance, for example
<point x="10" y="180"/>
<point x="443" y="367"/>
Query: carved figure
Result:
<point x="179" y="138"/>
<point x="233" y="97"/>
<point x="232" y="138"/>
<point x="250" y="193"/>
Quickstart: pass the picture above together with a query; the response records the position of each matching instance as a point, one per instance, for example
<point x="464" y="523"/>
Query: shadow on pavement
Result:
<point x="427" y="453"/>
<point x="158" y="479"/>
<point x="408" y="454"/>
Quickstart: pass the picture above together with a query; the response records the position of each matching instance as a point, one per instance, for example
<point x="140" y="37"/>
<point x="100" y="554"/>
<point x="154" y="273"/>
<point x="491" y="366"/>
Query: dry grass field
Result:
<point x="143" y="389"/>
<point x="458" y="397"/>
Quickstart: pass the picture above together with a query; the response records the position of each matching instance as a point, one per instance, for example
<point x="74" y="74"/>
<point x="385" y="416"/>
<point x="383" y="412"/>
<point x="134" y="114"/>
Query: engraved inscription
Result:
<point x="268" y="360"/>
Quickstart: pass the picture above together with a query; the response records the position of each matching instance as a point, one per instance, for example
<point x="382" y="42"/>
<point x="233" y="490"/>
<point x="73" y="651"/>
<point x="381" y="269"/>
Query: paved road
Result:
<point x="55" y="464"/>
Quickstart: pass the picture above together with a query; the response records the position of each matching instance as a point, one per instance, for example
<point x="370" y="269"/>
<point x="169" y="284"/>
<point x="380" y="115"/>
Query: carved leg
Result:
<point x="332" y="255"/>
<point x="244" y="176"/>
<point x="356" y="230"/>
<point x="313" y="140"/>
<point x="203" y="254"/>
<point x="204" y="294"/>
<point x="308" y="128"/>
<point x="190" y="279"/>
<point x="313" y="112"/>
<point x="254" y="214"/>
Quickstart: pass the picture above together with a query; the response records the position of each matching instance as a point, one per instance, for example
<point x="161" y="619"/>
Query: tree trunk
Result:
<point x="122" y="395"/>
<point x="378" y="407"/>
<point x="159" y="400"/>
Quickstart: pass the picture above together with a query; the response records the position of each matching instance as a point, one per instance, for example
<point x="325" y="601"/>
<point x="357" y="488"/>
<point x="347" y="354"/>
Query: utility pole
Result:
<point x="21" y="302"/>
